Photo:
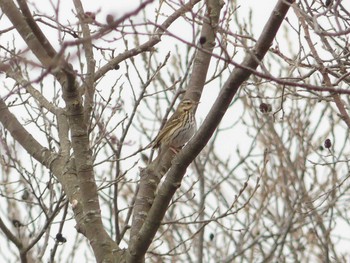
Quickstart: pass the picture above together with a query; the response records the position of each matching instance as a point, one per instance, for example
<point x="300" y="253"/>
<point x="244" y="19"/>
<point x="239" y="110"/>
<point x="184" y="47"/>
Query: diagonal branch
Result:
<point x="21" y="135"/>
<point x="11" y="236"/>
<point x="50" y="51"/>
<point x="187" y="155"/>
<point x="37" y="42"/>
<point x="26" y="32"/>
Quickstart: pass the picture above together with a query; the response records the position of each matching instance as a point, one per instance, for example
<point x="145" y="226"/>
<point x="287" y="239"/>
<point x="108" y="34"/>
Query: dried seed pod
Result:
<point x="265" y="108"/>
<point x="60" y="238"/>
<point x="16" y="223"/>
<point x="211" y="236"/>
<point x="202" y="40"/>
<point x="327" y="143"/>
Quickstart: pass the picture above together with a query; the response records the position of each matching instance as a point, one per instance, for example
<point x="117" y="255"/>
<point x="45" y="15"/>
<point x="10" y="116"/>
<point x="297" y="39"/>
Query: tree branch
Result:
<point x="37" y="42"/>
<point x="50" y="51"/>
<point x="151" y="176"/>
<point x="89" y="85"/>
<point x="155" y="39"/>
<point x="193" y="148"/>
<point x="21" y="135"/>
<point x="16" y="18"/>
<point x="10" y="236"/>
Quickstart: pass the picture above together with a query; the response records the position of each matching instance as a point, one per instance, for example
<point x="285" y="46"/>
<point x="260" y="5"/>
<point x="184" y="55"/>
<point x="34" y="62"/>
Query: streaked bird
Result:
<point x="180" y="127"/>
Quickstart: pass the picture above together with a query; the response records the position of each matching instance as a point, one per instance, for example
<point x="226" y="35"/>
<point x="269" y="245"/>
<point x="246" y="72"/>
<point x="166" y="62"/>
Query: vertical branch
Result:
<point x="91" y="223"/>
<point x="200" y="172"/>
<point x="203" y="56"/>
<point x="89" y="81"/>
<point x="151" y="175"/>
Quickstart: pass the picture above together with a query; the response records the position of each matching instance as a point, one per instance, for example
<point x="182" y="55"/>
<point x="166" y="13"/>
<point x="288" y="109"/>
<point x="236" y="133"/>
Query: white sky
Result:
<point x="261" y="12"/>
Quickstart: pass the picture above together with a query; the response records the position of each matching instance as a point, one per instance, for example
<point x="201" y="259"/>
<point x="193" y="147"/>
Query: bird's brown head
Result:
<point x="187" y="105"/>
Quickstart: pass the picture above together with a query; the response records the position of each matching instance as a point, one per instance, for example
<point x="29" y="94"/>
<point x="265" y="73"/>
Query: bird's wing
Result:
<point x="171" y="124"/>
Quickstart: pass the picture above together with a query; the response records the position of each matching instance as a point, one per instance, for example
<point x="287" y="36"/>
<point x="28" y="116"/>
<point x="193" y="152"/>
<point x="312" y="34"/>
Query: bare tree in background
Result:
<point x="83" y="94"/>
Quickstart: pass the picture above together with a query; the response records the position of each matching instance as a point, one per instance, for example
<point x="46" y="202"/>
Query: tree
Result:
<point x="78" y="114"/>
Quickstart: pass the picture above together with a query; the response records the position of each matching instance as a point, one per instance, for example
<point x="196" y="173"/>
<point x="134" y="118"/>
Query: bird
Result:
<point x="179" y="129"/>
